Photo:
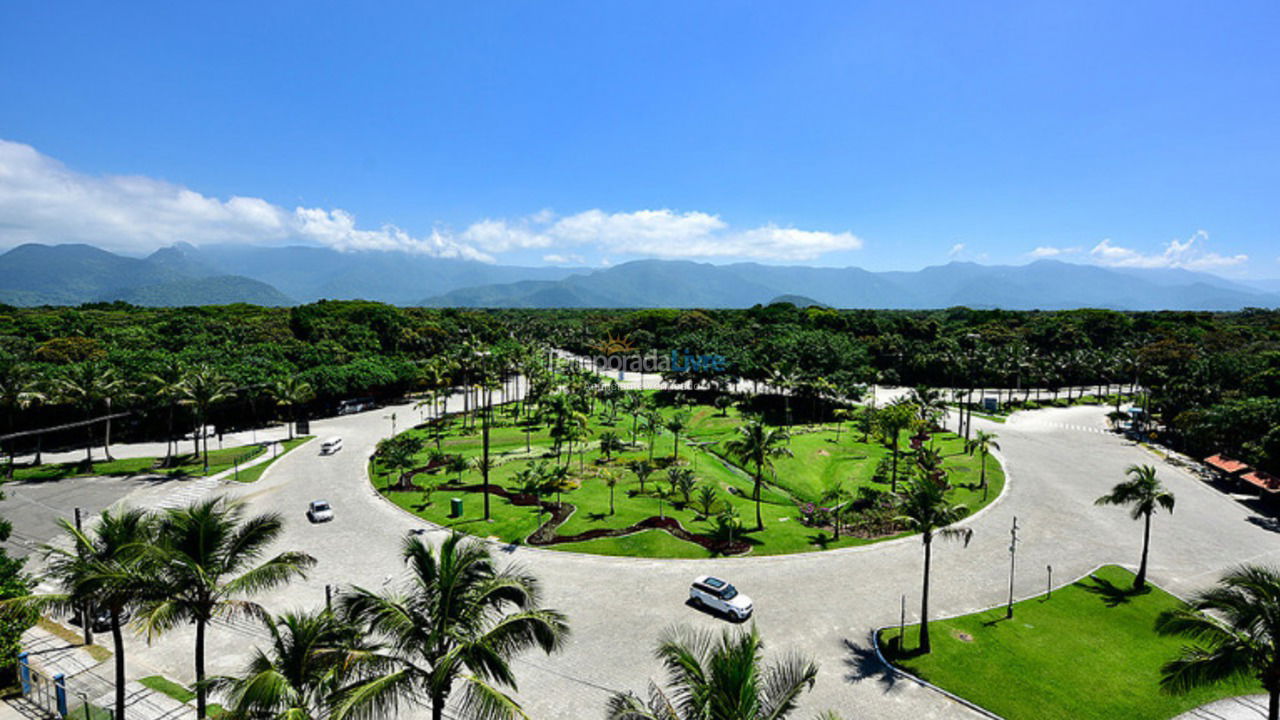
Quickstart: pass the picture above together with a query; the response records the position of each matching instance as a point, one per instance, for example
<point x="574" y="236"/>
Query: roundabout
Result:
<point x="824" y="604"/>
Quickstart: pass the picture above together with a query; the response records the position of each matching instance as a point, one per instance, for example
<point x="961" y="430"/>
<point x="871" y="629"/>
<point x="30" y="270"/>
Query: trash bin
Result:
<point x="455" y="507"/>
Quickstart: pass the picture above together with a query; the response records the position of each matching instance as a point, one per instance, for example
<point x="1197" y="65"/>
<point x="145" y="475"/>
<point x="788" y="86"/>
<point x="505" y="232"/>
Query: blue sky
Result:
<point x="892" y="135"/>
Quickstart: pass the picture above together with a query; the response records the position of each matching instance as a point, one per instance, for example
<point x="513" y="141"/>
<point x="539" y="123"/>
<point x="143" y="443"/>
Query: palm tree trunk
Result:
<point x="1273" y="707"/>
<point x="759" y="481"/>
<point x="925" y="646"/>
<point x="88" y="447"/>
<point x="893" y="485"/>
<point x="1141" y="581"/>
<point x="201" y="690"/>
<point x="117" y="639"/>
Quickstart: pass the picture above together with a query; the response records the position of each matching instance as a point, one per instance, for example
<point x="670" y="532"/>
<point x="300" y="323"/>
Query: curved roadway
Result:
<point x="823" y="604"/>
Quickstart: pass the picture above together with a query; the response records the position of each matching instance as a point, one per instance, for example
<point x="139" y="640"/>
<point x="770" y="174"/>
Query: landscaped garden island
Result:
<point x="672" y="474"/>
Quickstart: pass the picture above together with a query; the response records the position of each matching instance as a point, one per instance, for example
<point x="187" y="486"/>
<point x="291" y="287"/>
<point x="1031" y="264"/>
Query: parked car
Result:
<point x="319" y="511"/>
<point x="712" y="593"/>
<point x="102" y="619"/>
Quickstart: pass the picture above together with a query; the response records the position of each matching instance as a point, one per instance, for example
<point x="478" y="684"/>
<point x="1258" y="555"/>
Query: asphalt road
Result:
<point x="821" y="604"/>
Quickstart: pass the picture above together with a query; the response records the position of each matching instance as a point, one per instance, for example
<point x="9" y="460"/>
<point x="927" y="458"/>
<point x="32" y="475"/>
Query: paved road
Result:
<point x="823" y="604"/>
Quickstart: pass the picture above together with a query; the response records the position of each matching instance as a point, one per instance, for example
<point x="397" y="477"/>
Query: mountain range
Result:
<point x="183" y="274"/>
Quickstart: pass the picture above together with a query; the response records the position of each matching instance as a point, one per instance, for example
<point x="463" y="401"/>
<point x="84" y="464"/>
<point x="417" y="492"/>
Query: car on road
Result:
<point x="330" y="445"/>
<point x="319" y="511"/>
<point x="102" y="619"/>
<point x="712" y="593"/>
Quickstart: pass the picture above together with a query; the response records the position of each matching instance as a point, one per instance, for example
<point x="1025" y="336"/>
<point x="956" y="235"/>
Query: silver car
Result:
<point x="712" y="593"/>
<point x="319" y="511"/>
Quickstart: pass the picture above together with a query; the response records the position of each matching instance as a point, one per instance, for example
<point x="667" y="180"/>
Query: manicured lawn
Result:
<point x="819" y="461"/>
<point x="188" y="465"/>
<point x="1090" y="651"/>
<point x="177" y="691"/>
<point x="249" y="475"/>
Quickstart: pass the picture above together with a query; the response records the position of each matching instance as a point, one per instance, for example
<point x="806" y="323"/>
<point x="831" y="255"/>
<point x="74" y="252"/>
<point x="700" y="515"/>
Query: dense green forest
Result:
<point x="1214" y="378"/>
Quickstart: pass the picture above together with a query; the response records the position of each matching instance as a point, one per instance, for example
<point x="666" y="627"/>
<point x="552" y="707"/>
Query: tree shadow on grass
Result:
<point x="1112" y="595"/>
<point x="861" y="663"/>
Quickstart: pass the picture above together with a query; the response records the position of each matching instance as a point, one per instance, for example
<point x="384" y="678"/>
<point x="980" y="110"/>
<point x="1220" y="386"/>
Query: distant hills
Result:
<point x="187" y="275"/>
<point x="1045" y="285"/>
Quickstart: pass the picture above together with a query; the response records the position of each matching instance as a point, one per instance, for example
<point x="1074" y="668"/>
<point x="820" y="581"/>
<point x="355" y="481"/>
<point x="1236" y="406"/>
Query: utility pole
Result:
<point x="1013" y="556"/>
<point x="1049" y="584"/>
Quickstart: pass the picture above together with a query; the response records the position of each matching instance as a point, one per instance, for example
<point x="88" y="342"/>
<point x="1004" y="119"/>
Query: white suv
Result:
<point x="713" y="593"/>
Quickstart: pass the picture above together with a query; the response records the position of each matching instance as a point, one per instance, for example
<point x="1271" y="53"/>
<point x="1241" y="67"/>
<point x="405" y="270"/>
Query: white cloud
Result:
<point x="956" y="250"/>
<point x="1047" y="252"/>
<point x="566" y="259"/>
<point x="1189" y="254"/>
<point x="41" y="200"/>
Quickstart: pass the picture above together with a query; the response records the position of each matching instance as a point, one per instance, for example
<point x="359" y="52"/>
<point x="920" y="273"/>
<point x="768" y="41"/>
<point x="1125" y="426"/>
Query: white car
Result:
<point x="319" y="511"/>
<point x="715" y="594"/>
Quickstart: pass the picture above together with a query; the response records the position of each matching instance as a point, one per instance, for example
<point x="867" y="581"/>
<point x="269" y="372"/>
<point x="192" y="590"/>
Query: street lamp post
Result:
<point x="1013" y="556"/>
<point x="484" y="427"/>
<point x="973" y="346"/>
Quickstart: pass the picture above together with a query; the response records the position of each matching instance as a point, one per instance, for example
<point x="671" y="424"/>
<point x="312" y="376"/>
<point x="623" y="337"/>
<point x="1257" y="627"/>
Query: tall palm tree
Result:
<point x="86" y="386"/>
<point x="1144" y="493"/>
<point x="983" y="443"/>
<point x="207" y="561"/>
<point x="290" y="393"/>
<point x="633" y="403"/>
<point x="676" y="424"/>
<point x="838" y="495"/>
<point x="459" y="621"/>
<point x="722" y="677"/>
<point x="19" y="389"/>
<point x="643" y="469"/>
<point x="202" y="388"/>
<point x="652" y="421"/>
<point x="1236" y="630"/>
<point x="925" y="510"/>
<point x="757" y="444"/>
<point x="931" y="404"/>
<point x="310" y="657"/>
<point x="100" y="569"/>
<point x="890" y="421"/>
<point x="166" y="389"/>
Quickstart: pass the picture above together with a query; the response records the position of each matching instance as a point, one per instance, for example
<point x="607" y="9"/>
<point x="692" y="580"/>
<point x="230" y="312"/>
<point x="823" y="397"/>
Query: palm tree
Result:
<point x="611" y="482"/>
<point x="652" y="421"/>
<point x="310" y="657"/>
<point x="838" y="495"/>
<point x="203" y="388"/>
<point x="633" y="403"/>
<point x="841" y="414"/>
<point x="460" y="620"/>
<point x="206" y="561"/>
<point x="757" y="444"/>
<point x="677" y="424"/>
<point x="1144" y="492"/>
<point x="290" y="393"/>
<point x="643" y="469"/>
<point x="931" y="404"/>
<point x="86" y="386"/>
<point x="983" y="443"/>
<point x="722" y="677"/>
<point x="97" y="570"/>
<point x="890" y="421"/>
<point x="1236" y="628"/>
<point x="19" y="389"/>
<point x="167" y="389"/>
<point x="925" y="510"/>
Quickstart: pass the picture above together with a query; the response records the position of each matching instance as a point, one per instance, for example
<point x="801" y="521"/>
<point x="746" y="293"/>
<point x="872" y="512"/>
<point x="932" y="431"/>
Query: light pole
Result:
<point x="1013" y="555"/>
<point x="484" y="426"/>
<point x="973" y="346"/>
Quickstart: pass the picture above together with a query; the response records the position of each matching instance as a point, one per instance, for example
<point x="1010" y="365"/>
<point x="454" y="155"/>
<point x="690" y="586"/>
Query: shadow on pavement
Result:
<point x="862" y="663"/>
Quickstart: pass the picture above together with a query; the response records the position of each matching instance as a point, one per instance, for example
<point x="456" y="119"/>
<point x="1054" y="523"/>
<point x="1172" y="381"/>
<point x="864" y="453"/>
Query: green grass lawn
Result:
<point x="819" y="461"/>
<point x="1090" y="651"/>
<point x="189" y="465"/>
<point x="252" y="474"/>
<point x="177" y="691"/>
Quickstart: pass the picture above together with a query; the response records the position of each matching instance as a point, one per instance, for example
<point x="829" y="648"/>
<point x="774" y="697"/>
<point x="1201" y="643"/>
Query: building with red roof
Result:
<point x="1226" y="465"/>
